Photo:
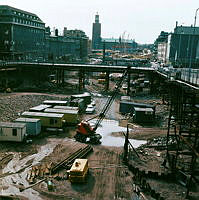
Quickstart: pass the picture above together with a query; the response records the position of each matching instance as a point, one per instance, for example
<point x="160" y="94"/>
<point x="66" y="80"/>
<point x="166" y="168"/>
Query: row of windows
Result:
<point x="25" y="15"/>
<point x="28" y="22"/>
<point x="27" y="30"/>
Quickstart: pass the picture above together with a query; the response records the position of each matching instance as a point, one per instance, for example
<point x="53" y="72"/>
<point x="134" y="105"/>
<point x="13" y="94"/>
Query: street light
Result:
<point x="191" y="52"/>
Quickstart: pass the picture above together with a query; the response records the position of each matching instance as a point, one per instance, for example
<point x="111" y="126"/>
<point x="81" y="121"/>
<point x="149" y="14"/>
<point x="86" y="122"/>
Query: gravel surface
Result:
<point x="11" y="105"/>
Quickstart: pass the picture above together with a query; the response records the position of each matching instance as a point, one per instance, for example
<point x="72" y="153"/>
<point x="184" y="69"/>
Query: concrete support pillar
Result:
<point x="81" y="80"/>
<point x="107" y="81"/>
<point x="57" y="76"/>
<point x="62" y="76"/>
<point x="152" y="84"/>
<point x="128" y="83"/>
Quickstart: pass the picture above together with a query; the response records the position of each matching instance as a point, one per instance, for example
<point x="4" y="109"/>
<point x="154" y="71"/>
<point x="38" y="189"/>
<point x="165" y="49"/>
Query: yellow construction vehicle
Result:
<point x="78" y="171"/>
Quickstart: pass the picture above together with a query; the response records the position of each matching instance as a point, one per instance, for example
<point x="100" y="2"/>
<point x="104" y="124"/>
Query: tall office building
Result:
<point x="96" y="34"/>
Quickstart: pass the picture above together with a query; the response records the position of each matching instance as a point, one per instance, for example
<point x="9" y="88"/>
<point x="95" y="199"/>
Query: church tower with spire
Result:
<point x="96" y="33"/>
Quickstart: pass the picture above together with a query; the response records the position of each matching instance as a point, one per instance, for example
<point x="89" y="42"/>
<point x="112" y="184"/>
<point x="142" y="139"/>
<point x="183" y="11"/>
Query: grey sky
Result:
<point x="141" y="20"/>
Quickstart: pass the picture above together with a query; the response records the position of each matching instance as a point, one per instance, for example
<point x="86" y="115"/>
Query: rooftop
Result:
<point x="186" y="30"/>
<point x="8" y="10"/>
<point x="12" y="125"/>
<point x="117" y="40"/>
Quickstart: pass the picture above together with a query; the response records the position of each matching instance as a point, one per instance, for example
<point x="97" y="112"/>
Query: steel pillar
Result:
<point x="107" y="81"/>
<point x="81" y="80"/>
<point x="184" y="118"/>
<point x="128" y="83"/>
<point x="62" y="76"/>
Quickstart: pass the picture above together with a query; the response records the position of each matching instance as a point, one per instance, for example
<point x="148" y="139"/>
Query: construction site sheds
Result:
<point x="51" y="120"/>
<point x="39" y="108"/>
<point x="33" y="126"/>
<point x="55" y="102"/>
<point x="11" y="131"/>
<point x="70" y="116"/>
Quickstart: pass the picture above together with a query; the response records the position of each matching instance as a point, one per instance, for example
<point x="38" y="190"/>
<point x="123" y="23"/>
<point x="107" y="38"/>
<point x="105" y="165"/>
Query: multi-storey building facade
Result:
<point x="162" y="51"/>
<point x="22" y="34"/>
<point x="24" y="37"/>
<point x="183" y="47"/>
<point x="124" y="46"/>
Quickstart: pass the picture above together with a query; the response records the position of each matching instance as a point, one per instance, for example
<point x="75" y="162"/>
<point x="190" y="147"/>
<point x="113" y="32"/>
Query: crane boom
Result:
<point x="110" y="100"/>
<point x="84" y="129"/>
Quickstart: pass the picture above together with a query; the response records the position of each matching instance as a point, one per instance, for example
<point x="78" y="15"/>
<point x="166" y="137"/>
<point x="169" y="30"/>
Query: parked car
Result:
<point x="90" y="109"/>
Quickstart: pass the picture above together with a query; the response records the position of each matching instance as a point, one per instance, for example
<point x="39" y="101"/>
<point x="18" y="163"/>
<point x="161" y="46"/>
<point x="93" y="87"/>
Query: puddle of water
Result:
<point x="110" y="126"/>
<point x="15" y="165"/>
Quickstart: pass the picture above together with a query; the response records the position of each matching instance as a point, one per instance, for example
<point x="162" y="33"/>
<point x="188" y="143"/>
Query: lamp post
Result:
<point x="192" y="42"/>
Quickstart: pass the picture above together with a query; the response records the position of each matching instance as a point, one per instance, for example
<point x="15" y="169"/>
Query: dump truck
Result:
<point x="79" y="170"/>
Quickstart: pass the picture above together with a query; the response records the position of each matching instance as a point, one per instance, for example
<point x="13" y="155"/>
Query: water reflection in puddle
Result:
<point x="111" y="126"/>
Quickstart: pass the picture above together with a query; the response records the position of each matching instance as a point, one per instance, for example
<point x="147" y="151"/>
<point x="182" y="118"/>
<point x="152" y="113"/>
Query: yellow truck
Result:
<point x="78" y="171"/>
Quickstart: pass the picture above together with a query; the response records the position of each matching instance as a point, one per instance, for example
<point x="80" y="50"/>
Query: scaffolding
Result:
<point x="183" y="136"/>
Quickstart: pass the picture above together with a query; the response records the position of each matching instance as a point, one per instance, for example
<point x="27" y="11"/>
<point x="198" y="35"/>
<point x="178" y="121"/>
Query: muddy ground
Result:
<point x="108" y="177"/>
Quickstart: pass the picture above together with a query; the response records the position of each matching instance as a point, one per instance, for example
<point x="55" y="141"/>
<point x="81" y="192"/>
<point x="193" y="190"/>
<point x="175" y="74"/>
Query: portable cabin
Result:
<point x="78" y="171"/>
<point x="33" y="126"/>
<point x="85" y="96"/>
<point x="143" y="115"/>
<point x="125" y="98"/>
<point x="128" y="107"/>
<point x="55" y="102"/>
<point x="50" y="120"/>
<point x="78" y="103"/>
<point x="39" y="108"/>
<point x="66" y="107"/>
<point x="10" y="131"/>
<point x="70" y="116"/>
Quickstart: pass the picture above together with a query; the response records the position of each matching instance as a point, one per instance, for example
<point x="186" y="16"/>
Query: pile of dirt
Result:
<point x="13" y="104"/>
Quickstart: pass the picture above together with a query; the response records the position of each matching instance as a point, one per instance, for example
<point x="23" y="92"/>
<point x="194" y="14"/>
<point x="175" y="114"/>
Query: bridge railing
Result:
<point x="187" y="75"/>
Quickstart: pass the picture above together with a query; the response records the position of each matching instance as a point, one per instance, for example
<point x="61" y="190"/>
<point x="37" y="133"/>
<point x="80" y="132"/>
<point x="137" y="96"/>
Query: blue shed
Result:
<point x="33" y="126"/>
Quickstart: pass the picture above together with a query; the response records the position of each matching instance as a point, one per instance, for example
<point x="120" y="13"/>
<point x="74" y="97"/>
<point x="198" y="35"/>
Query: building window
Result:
<point x="1" y="131"/>
<point x="53" y="121"/>
<point x="14" y="132"/>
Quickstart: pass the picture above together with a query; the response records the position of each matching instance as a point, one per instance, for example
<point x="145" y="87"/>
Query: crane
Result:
<point x="84" y="129"/>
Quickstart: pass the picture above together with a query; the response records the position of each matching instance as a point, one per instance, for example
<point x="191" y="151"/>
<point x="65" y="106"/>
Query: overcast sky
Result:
<point x="142" y="20"/>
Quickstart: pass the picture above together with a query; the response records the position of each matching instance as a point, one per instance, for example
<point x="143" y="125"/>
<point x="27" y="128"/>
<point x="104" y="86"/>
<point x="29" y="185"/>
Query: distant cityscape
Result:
<point x="24" y="37"/>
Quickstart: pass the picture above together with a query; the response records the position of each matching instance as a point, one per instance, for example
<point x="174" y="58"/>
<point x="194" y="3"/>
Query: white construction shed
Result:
<point x="11" y="131"/>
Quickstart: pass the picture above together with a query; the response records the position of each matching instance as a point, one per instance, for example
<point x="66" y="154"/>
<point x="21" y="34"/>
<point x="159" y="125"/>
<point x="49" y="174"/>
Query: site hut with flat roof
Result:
<point x="33" y="126"/>
<point x="66" y="107"/>
<point x="48" y="120"/>
<point x="12" y="131"/>
<point x="71" y="117"/>
<point x="55" y="102"/>
<point x="39" y="108"/>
